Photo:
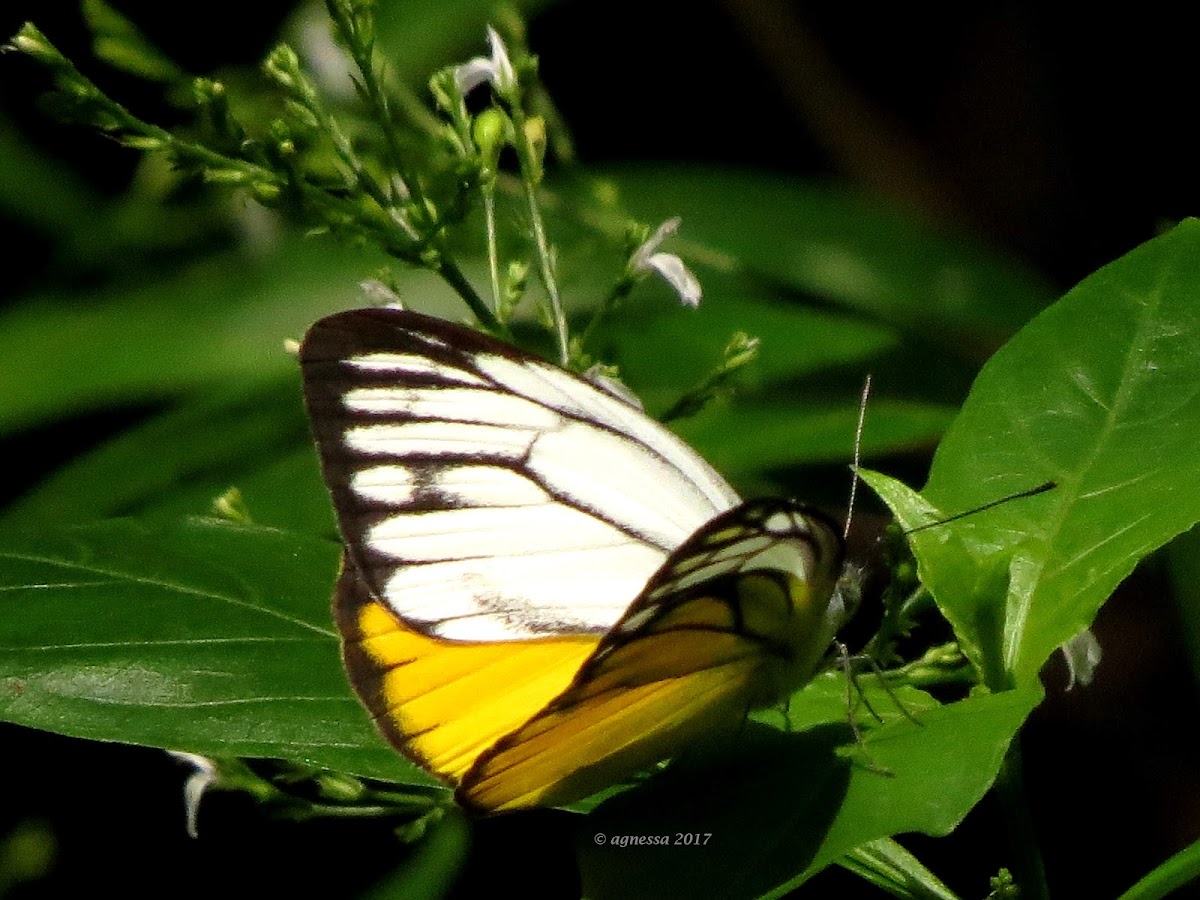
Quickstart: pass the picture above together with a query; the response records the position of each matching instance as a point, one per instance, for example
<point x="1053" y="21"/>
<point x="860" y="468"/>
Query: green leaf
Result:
<point x="225" y="320"/>
<point x="1099" y="395"/>
<point x="43" y="193"/>
<point x="120" y="43"/>
<point x="780" y="807"/>
<point x="1184" y="555"/>
<point x="661" y="349"/>
<point x="747" y="439"/>
<point x="891" y="868"/>
<point x="202" y="636"/>
<point x="434" y="865"/>
<point x="835" y="244"/>
<point x="420" y="35"/>
<point x="1180" y="870"/>
<point x="178" y="463"/>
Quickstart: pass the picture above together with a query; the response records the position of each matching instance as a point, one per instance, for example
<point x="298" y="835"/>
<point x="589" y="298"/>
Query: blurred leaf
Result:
<point x="1168" y="877"/>
<point x="419" y="36"/>
<point x="835" y="244"/>
<point x="434" y="866"/>
<point x="664" y="348"/>
<point x="224" y="320"/>
<point x="201" y="636"/>
<point x="1185" y="579"/>
<point x="746" y="439"/>
<point x="27" y="854"/>
<point x="1098" y="394"/>
<point x="178" y="463"/>
<point x="42" y="192"/>
<point x="119" y="42"/>
<point x="787" y="805"/>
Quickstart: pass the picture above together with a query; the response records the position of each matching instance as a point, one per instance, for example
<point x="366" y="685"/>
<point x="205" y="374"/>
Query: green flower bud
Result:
<point x="491" y="130"/>
<point x="283" y="66"/>
<point x="339" y="788"/>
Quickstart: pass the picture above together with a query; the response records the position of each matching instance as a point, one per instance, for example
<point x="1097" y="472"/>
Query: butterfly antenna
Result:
<point x="1031" y="492"/>
<point x="858" y="433"/>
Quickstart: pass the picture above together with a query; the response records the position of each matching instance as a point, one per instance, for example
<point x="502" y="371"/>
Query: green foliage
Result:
<point x="131" y="614"/>
<point x="1098" y="395"/>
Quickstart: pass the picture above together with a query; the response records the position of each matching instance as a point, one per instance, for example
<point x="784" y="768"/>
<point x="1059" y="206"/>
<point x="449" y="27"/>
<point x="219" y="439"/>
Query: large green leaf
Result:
<point x="1098" y="394"/>
<point x="215" y="638"/>
<point x="203" y="636"/>
<point x="783" y="806"/>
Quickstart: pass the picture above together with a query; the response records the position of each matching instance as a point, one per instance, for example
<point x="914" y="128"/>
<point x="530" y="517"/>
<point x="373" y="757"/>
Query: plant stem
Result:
<point x="1010" y="787"/>
<point x="489" y="213"/>
<point x="361" y="50"/>
<point x="530" y="167"/>
<point x="620" y="291"/>
<point x="454" y="276"/>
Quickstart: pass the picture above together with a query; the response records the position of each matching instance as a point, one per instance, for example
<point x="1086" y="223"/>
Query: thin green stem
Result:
<point x="1028" y="868"/>
<point x="530" y="167"/>
<point x="620" y="291"/>
<point x="454" y="276"/>
<point x="361" y="47"/>
<point x="362" y="52"/>
<point x="488" y="189"/>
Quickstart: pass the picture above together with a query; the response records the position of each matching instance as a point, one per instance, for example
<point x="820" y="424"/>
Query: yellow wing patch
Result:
<point x="601" y="732"/>
<point x="441" y="702"/>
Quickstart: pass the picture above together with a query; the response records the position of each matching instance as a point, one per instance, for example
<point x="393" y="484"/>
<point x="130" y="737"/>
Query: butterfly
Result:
<point x="543" y="590"/>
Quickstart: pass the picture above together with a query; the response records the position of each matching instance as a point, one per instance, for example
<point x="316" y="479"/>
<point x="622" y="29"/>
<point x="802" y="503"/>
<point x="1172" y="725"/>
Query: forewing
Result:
<point x="486" y="495"/>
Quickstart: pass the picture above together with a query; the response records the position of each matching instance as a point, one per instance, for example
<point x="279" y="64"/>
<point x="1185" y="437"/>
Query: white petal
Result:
<point x="203" y="776"/>
<point x="1082" y="653"/>
<point x="473" y="73"/>
<point x="640" y="261"/>
<point x="671" y="268"/>
<point x="503" y="76"/>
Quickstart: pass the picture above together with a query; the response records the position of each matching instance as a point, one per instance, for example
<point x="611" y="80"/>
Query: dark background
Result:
<point x="1066" y="141"/>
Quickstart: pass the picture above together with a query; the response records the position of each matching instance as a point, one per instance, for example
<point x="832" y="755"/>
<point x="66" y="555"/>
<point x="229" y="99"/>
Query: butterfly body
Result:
<point x="543" y="590"/>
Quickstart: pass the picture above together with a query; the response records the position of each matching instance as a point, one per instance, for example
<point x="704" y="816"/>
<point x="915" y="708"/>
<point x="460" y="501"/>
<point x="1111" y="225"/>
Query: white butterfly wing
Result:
<point x="485" y="495"/>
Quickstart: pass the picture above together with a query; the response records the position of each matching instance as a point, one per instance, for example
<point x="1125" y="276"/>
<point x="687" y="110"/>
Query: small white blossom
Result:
<point x="1082" y="653"/>
<point x="379" y="294"/>
<point x="648" y="258"/>
<point x="498" y="70"/>
<point x="203" y="776"/>
<point x="604" y="378"/>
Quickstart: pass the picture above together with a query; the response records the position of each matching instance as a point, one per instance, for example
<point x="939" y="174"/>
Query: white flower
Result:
<point x="648" y="258"/>
<point x="1082" y="653"/>
<point x="498" y="70"/>
<point x="203" y="776"/>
